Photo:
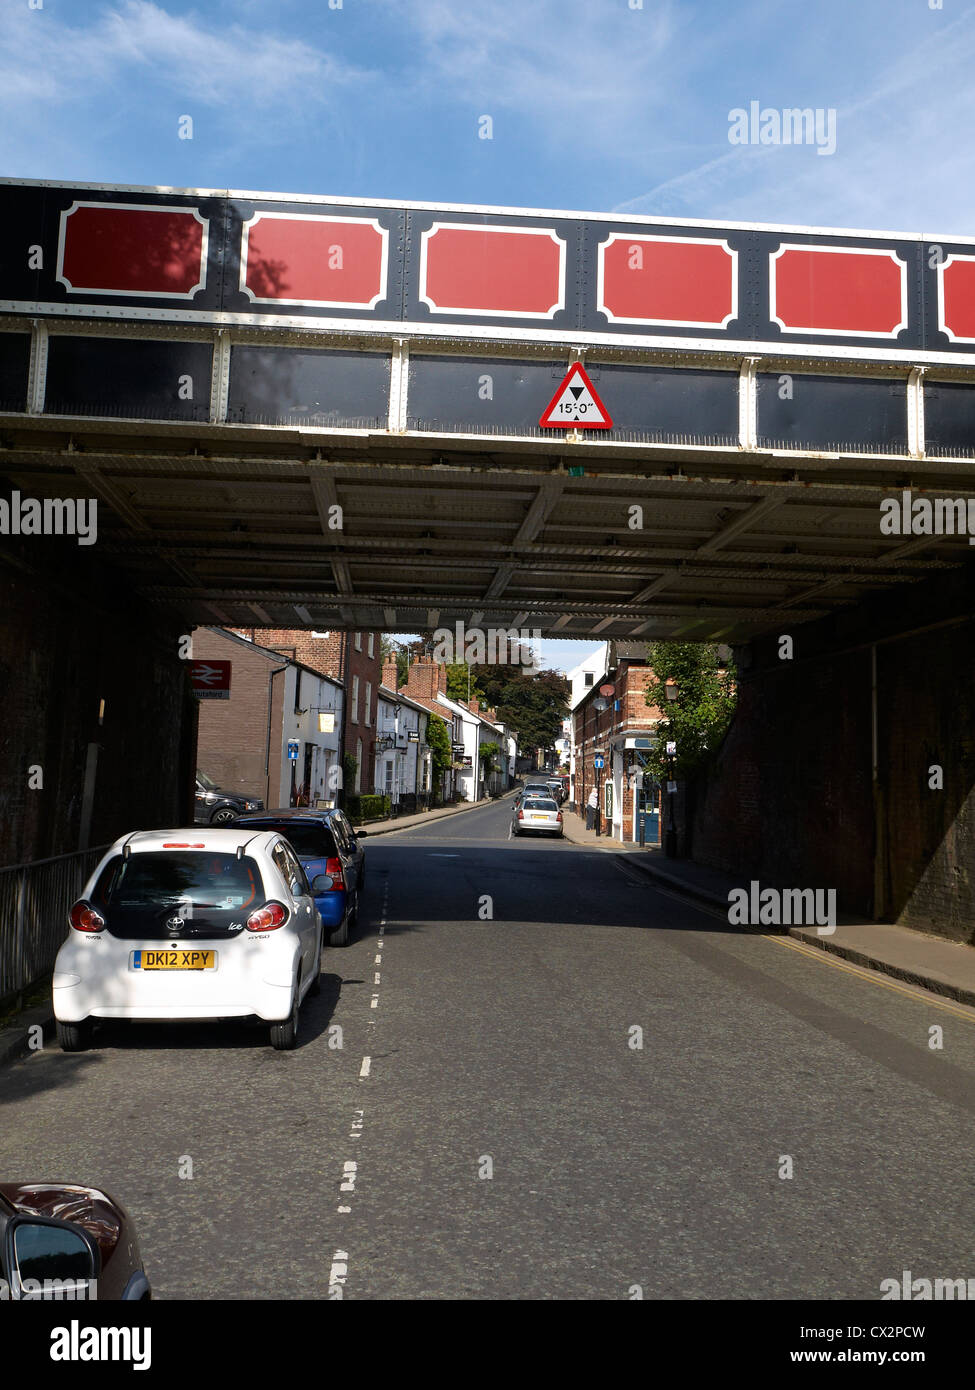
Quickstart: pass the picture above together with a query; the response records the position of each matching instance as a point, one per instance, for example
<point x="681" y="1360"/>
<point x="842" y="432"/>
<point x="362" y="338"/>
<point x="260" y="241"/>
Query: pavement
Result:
<point x="535" y="1073"/>
<point x="941" y="966"/>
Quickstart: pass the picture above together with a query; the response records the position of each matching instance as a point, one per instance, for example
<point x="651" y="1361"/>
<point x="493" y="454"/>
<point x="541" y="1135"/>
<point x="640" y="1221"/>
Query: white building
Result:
<point x="403" y="759"/>
<point x="581" y="680"/>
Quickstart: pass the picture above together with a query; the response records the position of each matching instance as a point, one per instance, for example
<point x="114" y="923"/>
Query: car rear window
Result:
<point x="309" y="839"/>
<point x="213" y="893"/>
<point x="538" y="803"/>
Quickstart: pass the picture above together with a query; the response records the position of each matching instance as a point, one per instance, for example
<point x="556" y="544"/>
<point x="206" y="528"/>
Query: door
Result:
<point x="307" y="921"/>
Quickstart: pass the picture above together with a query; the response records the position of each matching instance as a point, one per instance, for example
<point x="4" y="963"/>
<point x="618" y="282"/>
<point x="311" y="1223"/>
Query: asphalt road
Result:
<point x="507" y="1137"/>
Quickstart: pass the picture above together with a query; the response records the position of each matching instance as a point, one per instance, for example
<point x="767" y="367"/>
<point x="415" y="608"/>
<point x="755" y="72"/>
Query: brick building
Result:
<point x="621" y="733"/>
<point x="242" y="743"/>
<point x="354" y="659"/>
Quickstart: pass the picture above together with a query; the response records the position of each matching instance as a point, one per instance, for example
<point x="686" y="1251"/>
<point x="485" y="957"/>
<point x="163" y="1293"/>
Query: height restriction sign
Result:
<point x="576" y="403"/>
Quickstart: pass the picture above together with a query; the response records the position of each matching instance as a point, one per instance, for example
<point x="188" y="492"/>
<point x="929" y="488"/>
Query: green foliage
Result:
<point x="438" y="741"/>
<point x="350" y="766"/>
<point x="487" y="754"/>
<point x="698" y="718"/>
<point x="360" y="808"/>
<point x="533" y="703"/>
<point x="457" y="678"/>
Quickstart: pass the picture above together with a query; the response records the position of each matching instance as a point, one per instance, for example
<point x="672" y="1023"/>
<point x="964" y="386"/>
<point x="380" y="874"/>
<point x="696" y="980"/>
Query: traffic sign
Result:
<point x="211" y="679"/>
<point x="576" y="402"/>
<point x="671" y="748"/>
<point x="293" y="750"/>
<point x="600" y="762"/>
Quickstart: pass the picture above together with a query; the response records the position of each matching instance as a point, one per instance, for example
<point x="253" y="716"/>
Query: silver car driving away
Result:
<point x="536" y="815"/>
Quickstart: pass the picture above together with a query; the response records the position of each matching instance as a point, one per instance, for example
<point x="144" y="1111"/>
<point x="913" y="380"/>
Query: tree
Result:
<point x="459" y="675"/>
<point x="533" y="703"/>
<point x="697" y="718"/>
<point x="438" y="741"/>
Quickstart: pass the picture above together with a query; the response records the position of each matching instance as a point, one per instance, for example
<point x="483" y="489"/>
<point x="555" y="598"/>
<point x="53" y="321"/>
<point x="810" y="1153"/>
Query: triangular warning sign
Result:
<point x="576" y="403"/>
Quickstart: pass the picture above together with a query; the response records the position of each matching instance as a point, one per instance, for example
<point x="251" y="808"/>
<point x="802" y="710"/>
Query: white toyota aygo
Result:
<point x="198" y="924"/>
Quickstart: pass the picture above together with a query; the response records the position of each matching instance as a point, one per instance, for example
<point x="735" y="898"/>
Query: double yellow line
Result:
<point x="874" y="977"/>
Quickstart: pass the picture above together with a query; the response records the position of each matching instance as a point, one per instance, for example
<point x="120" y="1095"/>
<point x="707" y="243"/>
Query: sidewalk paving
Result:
<point x="383" y="827"/>
<point x="932" y="962"/>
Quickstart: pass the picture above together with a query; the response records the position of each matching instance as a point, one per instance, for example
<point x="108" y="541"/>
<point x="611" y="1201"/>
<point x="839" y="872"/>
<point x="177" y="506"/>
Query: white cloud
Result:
<point x="134" y="45"/>
<point x="903" y="159"/>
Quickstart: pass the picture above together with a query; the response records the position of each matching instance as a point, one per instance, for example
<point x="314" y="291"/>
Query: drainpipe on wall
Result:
<point x="879" y="815"/>
<point x="267" y="748"/>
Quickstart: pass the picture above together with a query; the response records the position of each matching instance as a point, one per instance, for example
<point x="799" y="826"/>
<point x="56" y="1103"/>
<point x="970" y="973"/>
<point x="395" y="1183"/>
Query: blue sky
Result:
<point x="595" y="104"/>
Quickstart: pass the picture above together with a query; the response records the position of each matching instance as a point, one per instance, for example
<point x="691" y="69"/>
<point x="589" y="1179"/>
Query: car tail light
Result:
<point x="521" y="814"/>
<point x="333" y="870"/>
<point x="559" y="818"/>
<point x="83" y="917"/>
<point x="267" y="918"/>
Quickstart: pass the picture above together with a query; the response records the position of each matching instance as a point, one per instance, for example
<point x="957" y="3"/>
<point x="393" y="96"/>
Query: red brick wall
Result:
<point x="62" y="650"/>
<point x="325" y="655"/>
<point x="790" y="800"/>
<point x="232" y="739"/>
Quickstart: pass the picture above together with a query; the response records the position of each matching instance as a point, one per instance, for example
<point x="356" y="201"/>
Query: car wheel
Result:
<point x="316" y="980"/>
<point x="225" y="816"/>
<point x="340" y="936"/>
<point x="284" y="1036"/>
<point x="74" y="1037"/>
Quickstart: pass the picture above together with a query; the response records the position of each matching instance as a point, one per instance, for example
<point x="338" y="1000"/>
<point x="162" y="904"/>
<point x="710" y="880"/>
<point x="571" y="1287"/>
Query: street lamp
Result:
<point x="670" y="848"/>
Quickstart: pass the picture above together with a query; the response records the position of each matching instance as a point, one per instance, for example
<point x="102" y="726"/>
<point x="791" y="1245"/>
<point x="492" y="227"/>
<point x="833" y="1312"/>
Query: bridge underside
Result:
<point x="238" y="526"/>
<point x="327" y="413"/>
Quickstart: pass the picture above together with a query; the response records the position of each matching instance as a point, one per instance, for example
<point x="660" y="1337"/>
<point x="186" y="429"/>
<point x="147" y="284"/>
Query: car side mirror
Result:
<point x="43" y="1256"/>
<point x="359" y="833"/>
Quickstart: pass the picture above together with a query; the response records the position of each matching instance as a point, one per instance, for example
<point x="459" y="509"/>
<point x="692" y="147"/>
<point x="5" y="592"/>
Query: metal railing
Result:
<point x="34" y="903"/>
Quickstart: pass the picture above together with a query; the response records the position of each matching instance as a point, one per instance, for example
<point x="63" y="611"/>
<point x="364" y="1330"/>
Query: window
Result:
<point x="294" y="874"/>
<point x="389" y="775"/>
<point x="358" y="641"/>
<point x="590" y="677"/>
<point x="358" y="764"/>
<point x="372" y="644"/>
<point x="311" y="839"/>
<point x="355" y="699"/>
<point x="368" y="703"/>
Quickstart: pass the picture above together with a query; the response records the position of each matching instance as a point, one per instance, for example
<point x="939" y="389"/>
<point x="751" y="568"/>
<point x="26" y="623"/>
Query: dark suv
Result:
<point x="217" y="807"/>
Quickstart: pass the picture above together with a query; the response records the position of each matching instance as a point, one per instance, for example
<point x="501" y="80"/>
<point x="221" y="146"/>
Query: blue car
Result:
<point x="331" y="856"/>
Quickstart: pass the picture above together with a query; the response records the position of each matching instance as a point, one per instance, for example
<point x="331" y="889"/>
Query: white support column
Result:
<point x="37" y="373"/>
<point x="399" y="380"/>
<point x="915" y="412"/>
<point x="220" y="378"/>
<point x="748" y="403"/>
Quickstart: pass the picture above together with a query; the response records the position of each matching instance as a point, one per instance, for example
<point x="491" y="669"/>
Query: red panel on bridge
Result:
<point x="334" y="262"/>
<point x="149" y="252"/>
<point x="838" y="290"/>
<point x="690" y="283"/>
<point x="518" y="272"/>
<point x="957" y="298"/>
